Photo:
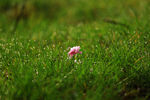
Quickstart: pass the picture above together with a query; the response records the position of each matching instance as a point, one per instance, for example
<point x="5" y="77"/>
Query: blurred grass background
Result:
<point x="74" y="11"/>
<point x="25" y="15"/>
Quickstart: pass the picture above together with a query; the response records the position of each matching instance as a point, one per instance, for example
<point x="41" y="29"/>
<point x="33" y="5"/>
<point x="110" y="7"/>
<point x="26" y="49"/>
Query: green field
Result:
<point x="35" y="37"/>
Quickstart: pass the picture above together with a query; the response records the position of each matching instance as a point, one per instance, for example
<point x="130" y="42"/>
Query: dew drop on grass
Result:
<point x="91" y="69"/>
<point x="60" y="81"/>
<point x="37" y="72"/>
<point x="75" y="60"/>
<point x="57" y="84"/>
<point x="65" y="76"/>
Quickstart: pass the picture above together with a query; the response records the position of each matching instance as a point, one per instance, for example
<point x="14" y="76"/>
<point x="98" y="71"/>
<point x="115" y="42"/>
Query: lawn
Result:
<point x="114" y="37"/>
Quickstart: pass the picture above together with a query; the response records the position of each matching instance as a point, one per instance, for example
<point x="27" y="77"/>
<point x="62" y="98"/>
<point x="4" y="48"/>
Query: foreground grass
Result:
<point x="114" y="38"/>
<point x="114" y="63"/>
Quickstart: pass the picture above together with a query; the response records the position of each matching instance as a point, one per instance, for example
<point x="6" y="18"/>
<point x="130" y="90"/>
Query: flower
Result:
<point x="74" y="50"/>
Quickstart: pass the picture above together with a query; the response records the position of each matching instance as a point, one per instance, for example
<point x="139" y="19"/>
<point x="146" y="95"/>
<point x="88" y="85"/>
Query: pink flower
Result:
<point x="74" y="50"/>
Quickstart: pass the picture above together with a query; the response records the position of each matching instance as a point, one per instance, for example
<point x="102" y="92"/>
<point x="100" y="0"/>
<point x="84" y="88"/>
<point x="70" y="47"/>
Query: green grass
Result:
<point x="114" y="65"/>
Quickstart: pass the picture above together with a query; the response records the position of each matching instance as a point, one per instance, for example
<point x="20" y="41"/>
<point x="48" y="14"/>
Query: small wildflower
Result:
<point x="74" y="51"/>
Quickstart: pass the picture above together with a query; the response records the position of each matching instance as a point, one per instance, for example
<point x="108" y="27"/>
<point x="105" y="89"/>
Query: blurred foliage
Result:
<point x="74" y="11"/>
<point x="30" y="13"/>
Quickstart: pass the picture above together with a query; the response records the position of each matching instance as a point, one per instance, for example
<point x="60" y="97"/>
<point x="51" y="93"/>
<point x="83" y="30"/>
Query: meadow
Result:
<point x="114" y="36"/>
